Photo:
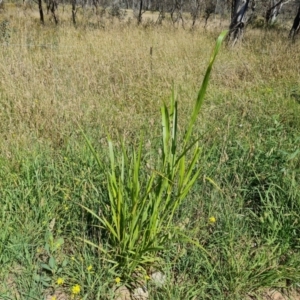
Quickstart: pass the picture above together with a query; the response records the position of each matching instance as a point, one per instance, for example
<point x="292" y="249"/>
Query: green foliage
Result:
<point x="115" y="11"/>
<point x="5" y="31"/>
<point x="51" y="246"/>
<point x="142" y="207"/>
<point x="249" y="161"/>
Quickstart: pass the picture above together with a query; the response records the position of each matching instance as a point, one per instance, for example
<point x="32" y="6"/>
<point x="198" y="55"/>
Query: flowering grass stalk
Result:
<point x="142" y="204"/>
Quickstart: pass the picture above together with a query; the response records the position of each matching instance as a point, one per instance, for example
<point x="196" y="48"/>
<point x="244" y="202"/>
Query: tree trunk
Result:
<point x="140" y="13"/>
<point x="195" y="11"/>
<point x="96" y="4"/>
<point x="41" y="12"/>
<point x="176" y="12"/>
<point x="74" y="12"/>
<point x="296" y="25"/>
<point x="53" y="8"/>
<point x="161" y="14"/>
<point x="273" y="11"/>
<point x="210" y="8"/>
<point x="238" y="19"/>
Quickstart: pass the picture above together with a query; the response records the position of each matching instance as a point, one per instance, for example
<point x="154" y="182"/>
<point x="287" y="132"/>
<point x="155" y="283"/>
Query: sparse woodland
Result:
<point x="184" y="13"/>
<point x="146" y="153"/>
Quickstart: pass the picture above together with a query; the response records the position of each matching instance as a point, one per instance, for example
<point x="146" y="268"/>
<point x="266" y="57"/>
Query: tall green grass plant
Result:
<point x="138" y="222"/>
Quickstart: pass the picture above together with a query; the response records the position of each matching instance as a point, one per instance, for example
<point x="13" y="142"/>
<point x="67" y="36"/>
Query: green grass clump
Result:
<point x="141" y="207"/>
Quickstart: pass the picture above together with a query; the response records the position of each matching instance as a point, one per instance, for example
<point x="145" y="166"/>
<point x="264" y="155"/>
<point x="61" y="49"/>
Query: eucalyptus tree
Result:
<point x="52" y="6"/>
<point x="138" y="10"/>
<point x="161" y="12"/>
<point x="273" y="10"/>
<point x="195" y="7"/>
<point x="240" y="15"/>
<point x="296" y="25"/>
<point x="74" y="11"/>
<point x="210" y="8"/>
<point x="177" y="12"/>
<point x="41" y="12"/>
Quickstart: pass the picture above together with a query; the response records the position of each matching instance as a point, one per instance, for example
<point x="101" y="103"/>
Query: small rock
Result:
<point x="122" y="293"/>
<point x="140" y="294"/>
<point x="158" y="278"/>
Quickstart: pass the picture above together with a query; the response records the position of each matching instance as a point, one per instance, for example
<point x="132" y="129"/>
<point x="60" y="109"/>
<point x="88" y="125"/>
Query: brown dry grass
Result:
<point x="103" y="77"/>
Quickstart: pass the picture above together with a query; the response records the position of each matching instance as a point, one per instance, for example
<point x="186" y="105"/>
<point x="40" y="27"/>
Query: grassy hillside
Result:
<point x="110" y="79"/>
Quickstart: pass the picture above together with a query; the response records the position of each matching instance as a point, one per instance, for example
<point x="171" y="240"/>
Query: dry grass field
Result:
<point x="103" y="74"/>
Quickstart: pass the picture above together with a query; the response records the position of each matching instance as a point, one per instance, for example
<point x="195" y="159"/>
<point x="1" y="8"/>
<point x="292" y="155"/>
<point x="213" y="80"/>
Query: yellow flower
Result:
<point x="60" y="281"/>
<point x="90" y="268"/>
<point x="118" y="280"/>
<point x="212" y="220"/>
<point x="53" y="298"/>
<point x="147" y="277"/>
<point x="57" y="245"/>
<point x="76" y="289"/>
